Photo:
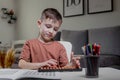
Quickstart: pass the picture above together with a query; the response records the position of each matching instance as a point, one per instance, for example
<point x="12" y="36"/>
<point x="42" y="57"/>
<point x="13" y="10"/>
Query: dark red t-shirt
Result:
<point x="36" y="51"/>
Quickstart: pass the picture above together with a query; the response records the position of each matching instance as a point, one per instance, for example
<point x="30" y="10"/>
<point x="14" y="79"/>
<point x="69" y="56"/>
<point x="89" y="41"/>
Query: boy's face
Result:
<point x="48" y="29"/>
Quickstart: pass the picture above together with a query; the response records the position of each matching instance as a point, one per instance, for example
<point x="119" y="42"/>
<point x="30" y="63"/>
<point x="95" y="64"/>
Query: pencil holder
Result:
<point x="92" y="66"/>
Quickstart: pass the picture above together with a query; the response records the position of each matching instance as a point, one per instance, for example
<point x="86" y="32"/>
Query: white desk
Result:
<point x="104" y="74"/>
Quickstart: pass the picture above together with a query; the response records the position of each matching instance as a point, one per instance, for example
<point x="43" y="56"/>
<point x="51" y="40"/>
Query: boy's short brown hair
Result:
<point x="52" y="14"/>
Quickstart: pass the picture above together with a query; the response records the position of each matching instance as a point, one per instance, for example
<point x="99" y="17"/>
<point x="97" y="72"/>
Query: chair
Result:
<point x="68" y="47"/>
<point x="17" y="45"/>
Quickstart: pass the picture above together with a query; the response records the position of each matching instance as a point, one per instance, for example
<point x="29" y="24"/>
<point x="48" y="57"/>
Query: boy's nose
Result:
<point x="51" y="30"/>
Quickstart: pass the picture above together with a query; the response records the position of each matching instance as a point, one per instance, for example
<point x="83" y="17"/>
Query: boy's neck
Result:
<point x="46" y="42"/>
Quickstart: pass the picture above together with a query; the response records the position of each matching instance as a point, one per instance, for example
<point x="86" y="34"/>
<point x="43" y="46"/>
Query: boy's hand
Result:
<point x="50" y="63"/>
<point x="75" y="61"/>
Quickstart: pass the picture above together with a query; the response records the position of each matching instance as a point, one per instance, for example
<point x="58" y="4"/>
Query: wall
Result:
<point x="29" y="11"/>
<point x="29" y="14"/>
<point x="88" y="21"/>
<point x="6" y="30"/>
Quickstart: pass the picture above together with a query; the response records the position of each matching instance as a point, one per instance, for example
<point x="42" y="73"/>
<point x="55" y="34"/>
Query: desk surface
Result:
<point x="104" y="74"/>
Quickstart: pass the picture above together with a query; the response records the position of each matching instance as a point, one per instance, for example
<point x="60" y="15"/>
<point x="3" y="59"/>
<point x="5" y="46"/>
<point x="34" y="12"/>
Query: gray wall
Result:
<point x="29" y="11"/>
<point x="7" y="31"/>
<point x="29" y="14"/>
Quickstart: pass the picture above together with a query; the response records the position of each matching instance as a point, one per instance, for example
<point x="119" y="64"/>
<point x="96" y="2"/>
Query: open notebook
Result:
<point x="25" y="74"/>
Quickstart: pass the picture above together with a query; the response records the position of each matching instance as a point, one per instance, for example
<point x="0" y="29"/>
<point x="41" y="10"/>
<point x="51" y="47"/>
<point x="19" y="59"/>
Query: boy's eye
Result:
<point x="56" y="29"/>
<point x="48" y="26"/>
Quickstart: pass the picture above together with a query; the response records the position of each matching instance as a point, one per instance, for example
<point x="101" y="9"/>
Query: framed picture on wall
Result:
<point x="99" y="6"/>
<point x="73" y="8"/>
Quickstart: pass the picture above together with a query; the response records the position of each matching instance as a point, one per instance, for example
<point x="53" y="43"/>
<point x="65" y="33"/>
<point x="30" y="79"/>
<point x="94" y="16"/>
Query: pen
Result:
<point x="93" y="49"/>
<point x="83" y="49"/>
<point x="98" y="49"/>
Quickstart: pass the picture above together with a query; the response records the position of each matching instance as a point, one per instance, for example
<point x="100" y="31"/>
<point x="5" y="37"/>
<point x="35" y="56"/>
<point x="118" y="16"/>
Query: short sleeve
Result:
<point x="63" y="57"/>
<point x="25" y="54"/>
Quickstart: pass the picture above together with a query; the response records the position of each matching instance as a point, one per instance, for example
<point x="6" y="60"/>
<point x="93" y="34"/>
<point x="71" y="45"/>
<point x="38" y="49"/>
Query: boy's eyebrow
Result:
<point x="48" y="25"/>
<point x="51" y="25"/>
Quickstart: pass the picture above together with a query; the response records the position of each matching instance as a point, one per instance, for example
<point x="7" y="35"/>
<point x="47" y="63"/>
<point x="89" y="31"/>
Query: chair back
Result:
<point x="68" y="48"/>
<point x="18" y="44"/>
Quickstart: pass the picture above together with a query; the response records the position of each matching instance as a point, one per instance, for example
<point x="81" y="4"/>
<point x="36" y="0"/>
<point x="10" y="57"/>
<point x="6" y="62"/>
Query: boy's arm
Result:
<point x="28" y="65"/>
<point x="75" y="61"/>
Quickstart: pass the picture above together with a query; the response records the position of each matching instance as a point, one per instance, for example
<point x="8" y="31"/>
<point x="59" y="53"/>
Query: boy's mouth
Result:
<point x="49" y="36"/>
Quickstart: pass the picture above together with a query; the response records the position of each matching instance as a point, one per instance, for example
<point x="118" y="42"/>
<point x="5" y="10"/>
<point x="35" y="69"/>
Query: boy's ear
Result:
<point x="39" y="23"/>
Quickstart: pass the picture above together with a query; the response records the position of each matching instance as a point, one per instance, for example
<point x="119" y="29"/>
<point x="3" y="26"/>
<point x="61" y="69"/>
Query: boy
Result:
<point x="44" y="51"/>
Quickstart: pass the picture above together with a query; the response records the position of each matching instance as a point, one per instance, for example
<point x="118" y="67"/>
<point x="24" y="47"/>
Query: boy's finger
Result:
<point x="53" y="60"/>
<point x="72" y="55"/>
<point x="77" y="58"/>
<point x="77" y="64"/>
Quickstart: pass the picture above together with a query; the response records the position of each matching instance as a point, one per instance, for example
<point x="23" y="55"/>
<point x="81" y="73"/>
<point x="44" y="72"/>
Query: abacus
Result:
<point x="60" y="69"/>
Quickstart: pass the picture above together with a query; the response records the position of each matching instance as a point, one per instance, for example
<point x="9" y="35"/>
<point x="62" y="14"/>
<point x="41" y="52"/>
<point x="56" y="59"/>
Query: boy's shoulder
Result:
<point x="32" y="41"/>
<point x="36" y="41"/>
<point x="58" y="44"/>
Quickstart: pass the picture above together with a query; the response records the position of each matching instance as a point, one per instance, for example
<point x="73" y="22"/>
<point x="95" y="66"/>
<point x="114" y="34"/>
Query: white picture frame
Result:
<point x="99" y="6"/>
<point x="73" y="8"/>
